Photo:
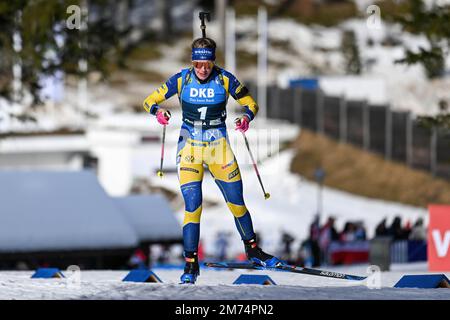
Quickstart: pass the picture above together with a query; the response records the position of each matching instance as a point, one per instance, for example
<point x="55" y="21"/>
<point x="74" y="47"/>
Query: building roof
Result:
<point x="356" y="88"/>
<point x="44" y="143"/>
<point x="53" y="210"/>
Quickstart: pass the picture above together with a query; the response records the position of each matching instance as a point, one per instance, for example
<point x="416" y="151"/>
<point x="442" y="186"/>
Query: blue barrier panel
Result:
<point x="47" y="273"/>
<point x="403" y="251"/>
<point x="425" y="281"/>
<point x="417" y="250"/>
<point x="305" y="83"/>
<point x="254" y="279"/>
<point x="139" y="275"/>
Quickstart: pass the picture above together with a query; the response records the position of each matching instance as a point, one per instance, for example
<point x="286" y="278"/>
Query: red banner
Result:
<point x="439" y="238"/>
<point x="349" y="252"/>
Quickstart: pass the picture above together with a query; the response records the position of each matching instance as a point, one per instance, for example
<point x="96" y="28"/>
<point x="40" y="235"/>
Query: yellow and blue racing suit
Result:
<point x="203" y="142"/>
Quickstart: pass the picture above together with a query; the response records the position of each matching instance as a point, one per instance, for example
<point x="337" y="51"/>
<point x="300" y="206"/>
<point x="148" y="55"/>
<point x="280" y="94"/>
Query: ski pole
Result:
<point x="160" y="171"/>
<point x="266" y="194"/>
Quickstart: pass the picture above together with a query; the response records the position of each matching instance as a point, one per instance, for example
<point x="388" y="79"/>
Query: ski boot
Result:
<point x="191" y="269"/>
<point x="258" y="257"/>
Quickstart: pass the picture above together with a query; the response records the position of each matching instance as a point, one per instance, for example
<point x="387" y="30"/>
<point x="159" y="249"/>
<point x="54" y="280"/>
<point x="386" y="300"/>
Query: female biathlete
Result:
<point x="203" y="91"/>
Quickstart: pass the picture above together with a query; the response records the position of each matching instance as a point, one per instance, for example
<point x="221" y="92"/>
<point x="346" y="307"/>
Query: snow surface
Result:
<point x="216" y="285"/>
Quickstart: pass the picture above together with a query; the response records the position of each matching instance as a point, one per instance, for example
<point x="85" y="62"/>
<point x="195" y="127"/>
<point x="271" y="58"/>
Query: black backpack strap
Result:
<point x="186" y="79"/>
<point x="219" y="72"/>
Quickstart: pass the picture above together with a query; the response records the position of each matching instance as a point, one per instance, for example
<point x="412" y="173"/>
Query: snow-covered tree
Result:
<point x="34" y="34"/>
<point x="432" y="22"/>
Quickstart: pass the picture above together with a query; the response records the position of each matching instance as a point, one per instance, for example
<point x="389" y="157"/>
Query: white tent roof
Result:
<point x="151" y="217"/>
<point x="50" y="143"/>
<point x="356" y="88"/>
<point x="50" y="210"/>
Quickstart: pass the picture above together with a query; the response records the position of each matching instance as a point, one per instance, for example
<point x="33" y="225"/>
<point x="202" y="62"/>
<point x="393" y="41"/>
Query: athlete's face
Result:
<point x="203" y="68"/>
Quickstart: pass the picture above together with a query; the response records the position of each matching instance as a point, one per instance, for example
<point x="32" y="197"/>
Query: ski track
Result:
<point x="216" y="285"/>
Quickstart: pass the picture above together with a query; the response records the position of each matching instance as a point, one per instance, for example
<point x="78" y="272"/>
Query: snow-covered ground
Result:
<point x="214" y="284"/>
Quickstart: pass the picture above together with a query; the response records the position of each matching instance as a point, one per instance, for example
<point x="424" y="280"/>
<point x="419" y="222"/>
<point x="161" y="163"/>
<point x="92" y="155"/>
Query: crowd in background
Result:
<point x="314" y="250"/>
<point x="311" y="252"/>
<point x="398" y="232"/>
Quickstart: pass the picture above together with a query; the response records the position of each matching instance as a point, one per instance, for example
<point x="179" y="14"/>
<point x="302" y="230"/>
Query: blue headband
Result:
<point x="204" y="54"/>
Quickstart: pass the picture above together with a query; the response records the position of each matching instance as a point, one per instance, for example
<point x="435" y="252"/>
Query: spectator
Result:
<point x="360" y="233"/>
<point x="353" y="231"/>
<point x="314" y="234"/>
<point x="222" y="245"/>
<point x="305" y="257"/>
<point x="418" y="232"/>
<point x="396" y="231"/>
<point x="314" y="229"/>
<point x="138" y="260"/>
<point x="407" y="229"/>
<point x="201" y="252"/>
<point x="164" y="255"/>
<point x="349" y="233"/>
<point x="381" y="229"/>
<point x="328" y="234"/>
<point x="287" y="240"/>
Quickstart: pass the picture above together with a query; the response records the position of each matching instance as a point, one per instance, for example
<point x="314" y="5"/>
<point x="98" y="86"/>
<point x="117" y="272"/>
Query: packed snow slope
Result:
<point x="216" y="285"/>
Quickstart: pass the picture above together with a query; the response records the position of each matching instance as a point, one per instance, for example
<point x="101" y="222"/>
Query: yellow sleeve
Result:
<point x="164" y="92"/>
<point x="247" y="101"/>
<point x="155" y="98"/>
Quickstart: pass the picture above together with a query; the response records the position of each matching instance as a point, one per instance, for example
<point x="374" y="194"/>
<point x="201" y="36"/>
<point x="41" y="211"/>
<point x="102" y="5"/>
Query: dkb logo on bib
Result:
<point x="202" y="93"/>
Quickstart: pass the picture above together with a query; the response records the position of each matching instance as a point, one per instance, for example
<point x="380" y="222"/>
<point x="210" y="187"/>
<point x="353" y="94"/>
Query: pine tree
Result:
<point x="350" y="51"/>
<point x="434" y="24"/>
<point x="48" y="45"/>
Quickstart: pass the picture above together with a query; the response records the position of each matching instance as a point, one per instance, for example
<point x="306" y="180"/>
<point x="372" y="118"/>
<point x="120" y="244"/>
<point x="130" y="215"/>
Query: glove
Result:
<point x="163" y="116"/>
<point x="242" y="124"/>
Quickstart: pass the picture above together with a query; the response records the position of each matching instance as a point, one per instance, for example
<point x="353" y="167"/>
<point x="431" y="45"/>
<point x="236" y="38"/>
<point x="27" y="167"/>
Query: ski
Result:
<point x="286" y="268"/>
